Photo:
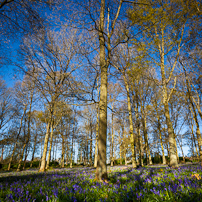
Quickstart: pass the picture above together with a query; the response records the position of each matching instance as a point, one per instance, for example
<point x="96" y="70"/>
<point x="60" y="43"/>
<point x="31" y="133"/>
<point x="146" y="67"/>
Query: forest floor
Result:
<point x="4" y="173"/>
<point x="145" y="184"/>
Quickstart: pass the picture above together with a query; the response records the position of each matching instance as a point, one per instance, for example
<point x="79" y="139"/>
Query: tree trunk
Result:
<point x="181" y="151"/>
<point x="112" y="140"/>
<point x="192" y="131"/>
<point x="43" y="159"/>
<point x="2" y="153"/>
<point x="35" y="138"/>
<point x="21" y="157"/>
<point x="144" y="124"/>
<point x="97" y="133"/>
<point x="101" y="171"/>
<point x="50" y="146"/>
<point x="120" y="148"/>
<point x="28" y="128"/>
<point x="176" y="150"/>
<point x="67" y="154"/>
<point x="24" y="145"/>
<point x="160" y="136"/>
<point x="171" y="139"/>
<point x="10" y="161"/>
<point x="130" y="122"/>
<point x="71" y="159"/>
<point x="15" y="144"/>
<point x="63" y="151"/>
<point x="124" y="142"/>
<point x="26" y="154"/>
<point x="91" y="144"/>
<point x="140" y="146"/>
<point x="198" y="133"/>
<point x="168" y="151"/>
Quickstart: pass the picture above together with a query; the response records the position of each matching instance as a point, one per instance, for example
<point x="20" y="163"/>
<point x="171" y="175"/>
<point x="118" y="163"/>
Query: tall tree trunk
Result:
<point x="130" y="122"/>
<point x="173" y="155"/>
<point x="23" y="149"/>
<point x="50" y="146"/>
<point x="35" y="138"/>
<point x="56" y="148"/>
<point x="26" y="154"/>
<point x="181" y="150"/>
<point x="112" y="140"/>
<point x="63" y="151"/>
<point x="43" y="159"/>
<point x="67" y="154"/>
<point x="176" y="149"/>
<point x="91" y="144"/>
<point x="101" y="171"/>
<point x="71" y="158"/>
<point x="97" y="127"/>
<point x="72" y="149"/>
<point x="97" y="133"/>
<point x="53" y="150"/>
<point x="21" y="157"/>
<point x="120" y="147"/>
<point x="29" y="127"/>
<point x="168" y="151"/>
<point x="198" y="133"/>
<point x="160" y="136"/>
<point x="140" y="146"/>
<point x="11" y="158"/>
<point x="144" y="123"/>
<point x="16" y="140"/>
<point x="124" y="142"/>
<point x="192" y="131"/>
<point x="171" y="139"/>
<point x="2" y="153"/>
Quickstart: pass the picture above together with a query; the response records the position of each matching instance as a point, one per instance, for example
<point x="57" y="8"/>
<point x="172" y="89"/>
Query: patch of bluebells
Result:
<point x="142" y="184"/>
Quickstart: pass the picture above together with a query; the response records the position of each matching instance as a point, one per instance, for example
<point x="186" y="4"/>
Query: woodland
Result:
<point x="100" y="82"/>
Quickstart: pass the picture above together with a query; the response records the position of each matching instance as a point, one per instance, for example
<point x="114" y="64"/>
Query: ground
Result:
<point x="154" y="183"/>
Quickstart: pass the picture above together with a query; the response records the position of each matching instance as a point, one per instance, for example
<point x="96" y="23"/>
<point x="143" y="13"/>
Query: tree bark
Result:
<point x="144" y="123"/>
<point x="23" y="149"/>
<point x="97" y="133"/>
<point x="21" y="157"/>
<point x="120" y="149"/>
<point x="112" y="140"/>
<point x="168" y="151"/>
<point x="176" y="149"/>
<point x="193" y="137"/>
<point x="91" y="143"/>
<point x="43" y="160"/>
<point x="26" y="154"/>
<point x="160" y="136"/>
<point x="50" y="146"/>
<point x="2" y="153"/>
<point x="171" y="136"/>
<point x="101" y="171"/>
<point x="198" y="133"/>
<point x="130" y="121"/>
<point x="35" y="140"/>
<point x="63" y="151"/>
<point x="16" y="141"/>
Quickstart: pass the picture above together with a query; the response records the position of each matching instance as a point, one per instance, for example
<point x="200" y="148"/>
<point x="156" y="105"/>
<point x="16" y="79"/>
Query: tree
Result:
<point x="114" y="90"/>
<point x="5" y="105"/>
<point x="48" y="61"/>
<point x="19" y="18"/>
<point x="22" y="101"/>
<point x="164" y="25"/>
<point x="122" y="62"/>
